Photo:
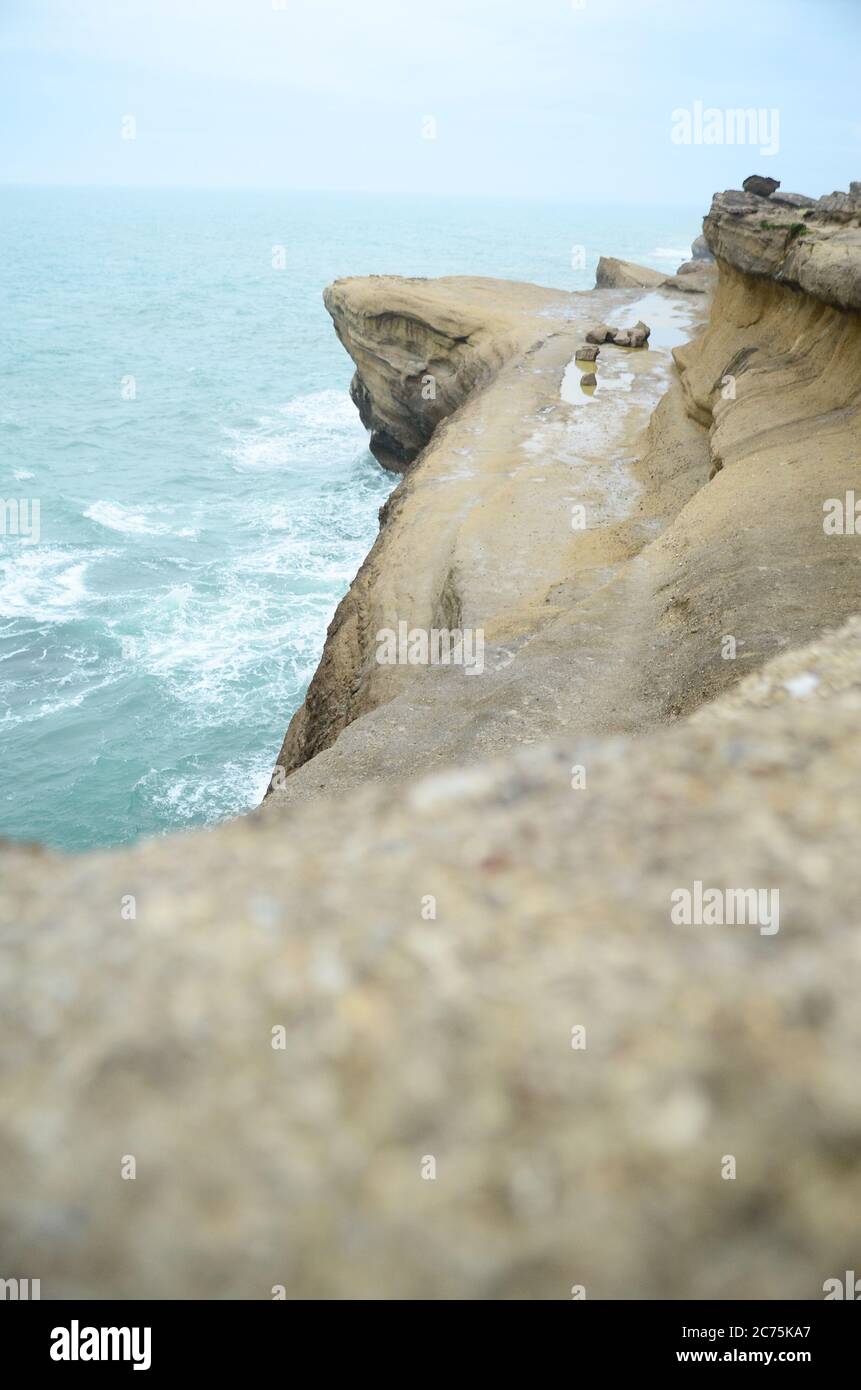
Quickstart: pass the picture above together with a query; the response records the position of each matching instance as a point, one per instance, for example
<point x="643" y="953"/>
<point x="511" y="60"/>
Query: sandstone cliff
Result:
<point x="708" y="526"/>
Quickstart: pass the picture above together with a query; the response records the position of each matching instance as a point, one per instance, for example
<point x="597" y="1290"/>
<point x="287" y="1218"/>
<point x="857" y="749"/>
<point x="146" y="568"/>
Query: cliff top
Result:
<point x="812" y="245"/>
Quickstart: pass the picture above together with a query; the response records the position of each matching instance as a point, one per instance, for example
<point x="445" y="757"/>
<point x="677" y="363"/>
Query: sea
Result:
<point x="185" y="486"/>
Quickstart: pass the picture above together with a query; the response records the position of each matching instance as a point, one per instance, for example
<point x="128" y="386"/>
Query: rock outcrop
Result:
<point x="623" y="275"/>
<point x="817" y="251"/>
<point x="626" y="275"/>
<point x="422" y="347"/>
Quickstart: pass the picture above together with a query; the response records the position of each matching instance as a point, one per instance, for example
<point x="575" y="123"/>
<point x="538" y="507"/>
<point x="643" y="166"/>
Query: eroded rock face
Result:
<point x="421" y="349"/>
<point x="818" y="251"/>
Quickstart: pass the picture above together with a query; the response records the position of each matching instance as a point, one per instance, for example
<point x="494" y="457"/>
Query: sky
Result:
<point x="572" y="100"/>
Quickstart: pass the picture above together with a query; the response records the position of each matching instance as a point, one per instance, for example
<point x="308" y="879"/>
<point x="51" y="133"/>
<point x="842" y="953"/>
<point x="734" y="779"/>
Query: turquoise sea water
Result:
<point x="177" y="404"/>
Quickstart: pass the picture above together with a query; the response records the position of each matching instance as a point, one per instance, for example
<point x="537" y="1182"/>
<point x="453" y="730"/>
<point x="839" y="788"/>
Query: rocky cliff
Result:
<point x="441" y="1036"/>
<point x="703" y="532"/>
<point x="422" y="347"/>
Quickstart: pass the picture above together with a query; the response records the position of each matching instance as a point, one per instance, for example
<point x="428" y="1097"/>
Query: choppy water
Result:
<point x="178" y="406"/>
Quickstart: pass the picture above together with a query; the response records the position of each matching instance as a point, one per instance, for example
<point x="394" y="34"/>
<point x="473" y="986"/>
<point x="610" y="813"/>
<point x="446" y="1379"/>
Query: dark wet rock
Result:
<point x="761" y="185"/>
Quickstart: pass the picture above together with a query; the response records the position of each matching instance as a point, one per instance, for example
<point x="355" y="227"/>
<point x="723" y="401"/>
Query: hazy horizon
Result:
<point x="561" y="100"/>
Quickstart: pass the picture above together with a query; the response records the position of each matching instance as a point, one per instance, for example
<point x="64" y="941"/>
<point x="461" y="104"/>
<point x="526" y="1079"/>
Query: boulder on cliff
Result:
<point x="760" y="185"/>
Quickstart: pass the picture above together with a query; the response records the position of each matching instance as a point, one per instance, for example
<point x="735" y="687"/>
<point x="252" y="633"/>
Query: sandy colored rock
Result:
<point x="625" y="275"/>
<point x="422" y="347"/>
<point x="459" y="542"/>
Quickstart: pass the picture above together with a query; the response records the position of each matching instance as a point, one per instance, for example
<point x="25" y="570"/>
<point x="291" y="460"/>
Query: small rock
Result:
<point x="638" y="339"/>
<point x="588" y="379"/>
<point x="760" y="185"/>
<point x="599" y="334"/>
<point x="587" y="352"/>
<point x="640" y="327"/>
<point x="621" y="337"/>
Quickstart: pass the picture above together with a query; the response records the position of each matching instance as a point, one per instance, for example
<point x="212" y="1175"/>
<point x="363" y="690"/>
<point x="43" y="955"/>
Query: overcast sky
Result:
<point x="566" y="99"/>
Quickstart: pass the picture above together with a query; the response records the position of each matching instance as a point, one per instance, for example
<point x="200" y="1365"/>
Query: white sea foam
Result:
<point x="301" y="432"/>
<point x="44" y="584"/>
<point x="197" y="796"/>
<point x="47" y="708"/>
<point x="131" y="521"/>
